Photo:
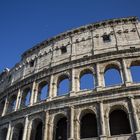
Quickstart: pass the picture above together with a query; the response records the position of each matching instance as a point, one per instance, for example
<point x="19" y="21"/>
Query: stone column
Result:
<point x="17" y="100"/>
<point x="99" y="78"/>
<point x="131" y="121"/>
<point x="5" y="106"/>
<point x="29" y="129"/>
<point x="46" y="127"/>
<point x="77" y="129"/>
<point x="135" y="117"/>
<point x="102" y="122"/>
<point x="20" y="99"/>
<point x="36" y="93"/>
<point x="32" y="93"/>
<point x="71" y="123"/>
<point x="9" y="132"/>
<point x="25" y="128"/>
<point x="52" y="91"/>
<point x="77" y="83"/>
<point x="108" y="126"/>
<point x="50" y="129"/>
<point x="73" y="82"/>
<point x="125" y="73"/>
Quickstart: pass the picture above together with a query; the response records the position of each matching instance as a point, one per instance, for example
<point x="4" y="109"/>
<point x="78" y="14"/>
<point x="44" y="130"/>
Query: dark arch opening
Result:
<point x="3" y="133"/>
<point x="61" y="129"/>
<point x="112" y="77"/>
<point x="18" y="132"/>
<point x="43" y="91"/>
<point x="63" y="86"/>
<point x="119" y="123"/>
<point x="87" y="80"/>
<point x="88" y="126"/>
<point x="36" y="133"/>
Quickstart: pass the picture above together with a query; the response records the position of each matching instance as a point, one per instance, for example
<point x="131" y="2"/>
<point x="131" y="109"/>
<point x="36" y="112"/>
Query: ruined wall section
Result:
<point x="82" y="42"/>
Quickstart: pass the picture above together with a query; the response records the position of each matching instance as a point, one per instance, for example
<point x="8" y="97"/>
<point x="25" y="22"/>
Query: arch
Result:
<point x="12" y="103"/>
<point x="86" y="79"/>
<point x="88" y="124"/>
<point x="43" y="91"/>
<point x="112" y="75"/>
<point x="18" y="132"/>
<point x="135" y="71"/>
<point x="3" y="133"/>
<point x="26" y="94"/>
<point x="119" y="122"/>
<point x="60" y="128"/>
<point x="63" y="85"/>
<point x="37" y="129"/>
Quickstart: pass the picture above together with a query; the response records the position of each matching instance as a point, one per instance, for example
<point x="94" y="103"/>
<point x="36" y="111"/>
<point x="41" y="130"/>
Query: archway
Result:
<point x="88" y="126"/>
<point x="112" y="77"/>
<point x="61" y="129"/>
<point x="63" y="86"/>
<point x="87" y="80"/>
<point x="37" y="127"/>
<point x="18" y="132"/>
<point x="43" y="91"/>
<point x="3" y="133"/>
<point x="119" y="123"/>
<point x="25" y="97"/>
<point x="135" y="71"/>
<point x="12" y="103"/>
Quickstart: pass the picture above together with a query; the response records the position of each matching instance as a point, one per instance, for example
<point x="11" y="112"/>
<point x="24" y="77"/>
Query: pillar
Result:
<point x="73" y="80"/>
<point x="25" y="128"/>
<point x="50" y="129"/>
<point x="9" y="132"/>
<point x="29" y="129"/>
<point x="102" y="122"/>
<point x="46" y="126"/>
<point x="125" y="73"/>
<point x="33" y="93"/>
<point x="99" y="78"/>
<point x="71" y="123"/>
<point x="77" y="128"/>
<point x="52" y="91"/>
<point x="5" y="106"/>
<point x="18" y="100"/>
<point x="135" y="118"/>
<point x="74" y="84"/>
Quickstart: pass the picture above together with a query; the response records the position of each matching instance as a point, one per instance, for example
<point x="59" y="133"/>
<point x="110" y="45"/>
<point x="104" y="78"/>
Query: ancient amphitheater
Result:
<point x="98" y="113"/>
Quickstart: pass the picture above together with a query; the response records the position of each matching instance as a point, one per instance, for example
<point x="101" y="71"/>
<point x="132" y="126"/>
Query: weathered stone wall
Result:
<point x="85" y="50"/>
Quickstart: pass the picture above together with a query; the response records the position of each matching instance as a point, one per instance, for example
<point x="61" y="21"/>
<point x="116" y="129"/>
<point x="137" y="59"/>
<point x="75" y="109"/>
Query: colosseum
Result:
<point x="45" y="96"/>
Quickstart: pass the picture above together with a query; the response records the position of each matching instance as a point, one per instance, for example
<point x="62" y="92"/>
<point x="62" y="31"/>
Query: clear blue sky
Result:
<point x="24" y="23"/>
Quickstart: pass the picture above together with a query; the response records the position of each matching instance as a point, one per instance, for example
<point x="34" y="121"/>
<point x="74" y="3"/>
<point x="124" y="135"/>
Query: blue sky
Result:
<point x="24" y="23"/>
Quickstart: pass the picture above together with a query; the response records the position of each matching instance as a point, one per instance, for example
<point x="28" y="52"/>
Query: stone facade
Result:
<point x="95" y="48"/>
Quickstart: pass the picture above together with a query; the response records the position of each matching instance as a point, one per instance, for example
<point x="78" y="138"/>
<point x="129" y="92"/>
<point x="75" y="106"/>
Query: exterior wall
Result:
<point x="85" y="51"/>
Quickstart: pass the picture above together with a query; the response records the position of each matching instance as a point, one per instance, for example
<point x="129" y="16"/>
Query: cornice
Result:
<point x="71" y="32"/>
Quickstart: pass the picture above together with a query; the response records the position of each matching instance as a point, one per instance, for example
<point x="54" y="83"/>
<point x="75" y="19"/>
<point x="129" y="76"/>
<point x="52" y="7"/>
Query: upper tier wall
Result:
<point x="76" y="44"/>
